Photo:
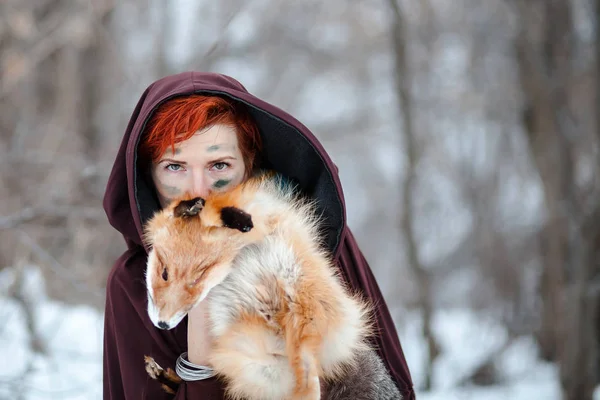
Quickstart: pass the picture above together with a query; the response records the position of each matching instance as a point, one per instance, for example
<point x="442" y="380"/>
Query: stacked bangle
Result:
<point x="191" y="372"/>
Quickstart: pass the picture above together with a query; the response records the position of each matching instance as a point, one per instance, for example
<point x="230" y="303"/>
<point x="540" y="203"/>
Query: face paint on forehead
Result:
<point x="169" y="151"/>
<point x="222" y="147"/>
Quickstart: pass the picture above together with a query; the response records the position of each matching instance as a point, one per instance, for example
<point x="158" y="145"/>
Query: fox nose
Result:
<point x="163" y="325"/>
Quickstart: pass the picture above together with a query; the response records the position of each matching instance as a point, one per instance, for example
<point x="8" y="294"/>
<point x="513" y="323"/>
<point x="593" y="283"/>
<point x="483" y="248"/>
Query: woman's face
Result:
<point x="208" y="161"/>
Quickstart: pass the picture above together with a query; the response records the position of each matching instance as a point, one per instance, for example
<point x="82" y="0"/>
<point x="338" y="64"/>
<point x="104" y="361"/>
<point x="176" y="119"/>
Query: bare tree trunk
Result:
<point x="161" y="37"/>
<point x="97" y="76"/>
<point x="569" y="239"/>
<point x="549" y="156"/>
<point x="403" y="92"/>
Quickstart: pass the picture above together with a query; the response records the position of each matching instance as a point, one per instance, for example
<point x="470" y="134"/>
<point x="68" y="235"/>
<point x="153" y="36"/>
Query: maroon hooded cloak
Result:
<point x="289" y="148"/>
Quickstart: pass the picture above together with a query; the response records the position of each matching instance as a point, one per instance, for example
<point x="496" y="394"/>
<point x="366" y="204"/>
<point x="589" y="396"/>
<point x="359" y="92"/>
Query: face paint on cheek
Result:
<point x="170" y="190"/>
<point x="233" y="181"/>
<point x="167" y="193"/>
<point x="221" y="183"/>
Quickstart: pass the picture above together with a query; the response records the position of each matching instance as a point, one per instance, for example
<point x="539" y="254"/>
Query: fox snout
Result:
<point x="163" y="323"/>
<point x="162" y="320"/>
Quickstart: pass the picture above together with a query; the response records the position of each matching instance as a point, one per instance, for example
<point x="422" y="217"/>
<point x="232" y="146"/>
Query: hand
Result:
<point x="199" y="340"/>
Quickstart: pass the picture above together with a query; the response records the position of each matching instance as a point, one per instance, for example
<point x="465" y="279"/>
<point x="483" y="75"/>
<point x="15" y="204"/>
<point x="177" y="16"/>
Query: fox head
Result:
<point x="190" y="254"/>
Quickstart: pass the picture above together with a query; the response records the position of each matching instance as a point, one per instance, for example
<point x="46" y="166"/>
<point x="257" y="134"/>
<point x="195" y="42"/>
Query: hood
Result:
<point x="288" y="148"/>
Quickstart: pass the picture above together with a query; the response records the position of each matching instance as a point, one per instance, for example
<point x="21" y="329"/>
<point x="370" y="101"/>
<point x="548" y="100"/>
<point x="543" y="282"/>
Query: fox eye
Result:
<point x="165" y="274"/>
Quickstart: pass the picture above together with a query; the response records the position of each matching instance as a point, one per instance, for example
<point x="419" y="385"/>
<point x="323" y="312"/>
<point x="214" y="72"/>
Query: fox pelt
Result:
<point x="281" y="319"/>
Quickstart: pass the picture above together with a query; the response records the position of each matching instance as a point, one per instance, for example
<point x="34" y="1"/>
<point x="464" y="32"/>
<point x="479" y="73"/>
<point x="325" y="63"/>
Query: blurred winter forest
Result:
<point x="466" y="132"/>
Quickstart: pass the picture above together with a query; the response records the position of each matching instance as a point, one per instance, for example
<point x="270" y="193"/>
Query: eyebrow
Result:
<point x="173" y="161"/>
<point x="223" y="158"/>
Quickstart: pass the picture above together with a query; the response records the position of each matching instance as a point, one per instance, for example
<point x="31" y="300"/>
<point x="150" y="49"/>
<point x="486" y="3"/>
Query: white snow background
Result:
<point x="72" y="367"/>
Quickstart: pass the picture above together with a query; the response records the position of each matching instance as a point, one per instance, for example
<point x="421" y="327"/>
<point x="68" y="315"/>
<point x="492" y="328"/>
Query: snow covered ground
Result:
<point x="73" y="368"/>
<point x="466" y="340"/>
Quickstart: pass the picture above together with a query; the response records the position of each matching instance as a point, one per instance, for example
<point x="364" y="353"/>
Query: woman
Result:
<point x="149" y="171"/>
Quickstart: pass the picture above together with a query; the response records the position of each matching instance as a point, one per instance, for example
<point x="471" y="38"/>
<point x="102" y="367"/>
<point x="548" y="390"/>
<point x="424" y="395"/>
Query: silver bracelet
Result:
<point x="191" y="372"/>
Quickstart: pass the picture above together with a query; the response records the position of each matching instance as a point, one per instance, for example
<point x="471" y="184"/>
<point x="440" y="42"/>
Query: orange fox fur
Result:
<point x="280" y="317"/>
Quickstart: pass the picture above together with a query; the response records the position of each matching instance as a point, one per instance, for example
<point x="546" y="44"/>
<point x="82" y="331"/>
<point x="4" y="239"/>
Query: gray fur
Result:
<point x="369" y="380"/>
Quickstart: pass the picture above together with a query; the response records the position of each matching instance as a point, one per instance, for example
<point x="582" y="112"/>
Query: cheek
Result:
<point x="170" y="185"/>
<point x="239" y="176"/>
<point x="227" y="180"/>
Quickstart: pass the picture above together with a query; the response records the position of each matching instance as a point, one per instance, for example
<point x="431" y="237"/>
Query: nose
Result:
<point x="200" y="185"/>
<point x="163" y="325"/>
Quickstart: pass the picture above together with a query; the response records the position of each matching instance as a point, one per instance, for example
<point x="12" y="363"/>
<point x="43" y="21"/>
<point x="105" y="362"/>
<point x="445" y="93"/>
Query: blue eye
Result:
<point x="220" y="166"/>
<point x="174" y="167"/>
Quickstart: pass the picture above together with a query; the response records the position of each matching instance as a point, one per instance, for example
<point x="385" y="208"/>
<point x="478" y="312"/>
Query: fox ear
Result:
<point x="235" y="218"/>
<point x="188" y="208"/>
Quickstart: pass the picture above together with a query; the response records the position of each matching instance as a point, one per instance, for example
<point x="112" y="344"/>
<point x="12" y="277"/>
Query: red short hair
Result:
<point x="178" y="119"/>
